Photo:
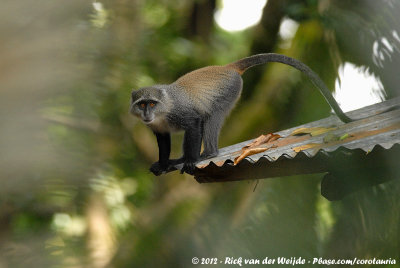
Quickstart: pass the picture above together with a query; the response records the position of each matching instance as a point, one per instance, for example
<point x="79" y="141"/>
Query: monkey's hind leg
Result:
<point x="211" y="130"/>
<point x="229" y="93"/>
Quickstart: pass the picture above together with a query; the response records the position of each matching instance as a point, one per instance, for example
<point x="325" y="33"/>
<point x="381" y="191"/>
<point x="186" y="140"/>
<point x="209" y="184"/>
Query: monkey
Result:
<point x="198" y="103"/>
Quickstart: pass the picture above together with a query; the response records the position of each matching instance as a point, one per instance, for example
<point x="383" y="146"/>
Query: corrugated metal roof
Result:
<point x="366" y="139"/>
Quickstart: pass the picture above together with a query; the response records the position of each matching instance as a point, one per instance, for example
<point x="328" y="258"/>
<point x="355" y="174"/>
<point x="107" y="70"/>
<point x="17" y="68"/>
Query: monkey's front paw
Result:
<point x="188" y="167"/>
<point x="157" y="169"/>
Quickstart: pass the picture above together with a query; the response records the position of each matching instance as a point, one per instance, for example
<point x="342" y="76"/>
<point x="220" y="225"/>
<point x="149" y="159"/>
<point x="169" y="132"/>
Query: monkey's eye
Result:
<point x="142" y="105"/>
<point x="152" y="104"/>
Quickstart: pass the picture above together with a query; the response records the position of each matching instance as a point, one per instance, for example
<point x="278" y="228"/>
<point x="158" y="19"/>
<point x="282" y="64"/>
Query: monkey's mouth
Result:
<point x="147" y="121"/>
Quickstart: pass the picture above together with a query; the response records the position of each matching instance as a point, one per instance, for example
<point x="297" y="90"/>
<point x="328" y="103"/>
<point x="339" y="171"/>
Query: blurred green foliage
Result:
<point x="76" y="191"/>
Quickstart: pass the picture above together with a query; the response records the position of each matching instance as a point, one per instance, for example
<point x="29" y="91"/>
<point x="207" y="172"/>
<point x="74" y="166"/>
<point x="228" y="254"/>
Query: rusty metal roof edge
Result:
<point x="306" y="153"/>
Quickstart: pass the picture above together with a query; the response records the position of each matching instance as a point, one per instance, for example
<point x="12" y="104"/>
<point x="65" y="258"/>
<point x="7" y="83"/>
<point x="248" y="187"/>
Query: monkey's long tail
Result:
<point x="242" y="65"/>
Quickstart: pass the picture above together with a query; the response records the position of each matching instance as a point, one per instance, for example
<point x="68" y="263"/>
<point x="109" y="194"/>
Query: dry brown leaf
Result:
<point x="248" y="152"/>
<point x="262" y="139"/>
<point x="299" y="131"/>
<point x="274" y="137"/>
<point x="252" y="148"/>
<point x="313" y="131"/>
<point x="305" y="147"/>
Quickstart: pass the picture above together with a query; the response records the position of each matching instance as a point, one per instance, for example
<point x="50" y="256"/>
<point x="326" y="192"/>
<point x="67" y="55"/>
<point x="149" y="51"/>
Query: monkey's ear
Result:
<point x="133" y="97"/>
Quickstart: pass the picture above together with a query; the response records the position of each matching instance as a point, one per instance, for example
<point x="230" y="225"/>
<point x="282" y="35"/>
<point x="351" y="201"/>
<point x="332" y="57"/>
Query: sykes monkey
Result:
<point x="198" y="104"/>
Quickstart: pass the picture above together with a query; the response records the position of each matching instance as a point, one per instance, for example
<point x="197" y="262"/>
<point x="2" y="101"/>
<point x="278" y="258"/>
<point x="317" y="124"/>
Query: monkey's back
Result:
<point x="211" y="88"/>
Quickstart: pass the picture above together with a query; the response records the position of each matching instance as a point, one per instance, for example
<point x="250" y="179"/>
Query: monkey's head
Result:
<point x="149" y="103"/>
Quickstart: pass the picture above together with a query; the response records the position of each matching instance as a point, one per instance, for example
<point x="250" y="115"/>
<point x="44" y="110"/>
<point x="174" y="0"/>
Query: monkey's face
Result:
<point x="147" y="104"/>
<point x="146" y="110"/>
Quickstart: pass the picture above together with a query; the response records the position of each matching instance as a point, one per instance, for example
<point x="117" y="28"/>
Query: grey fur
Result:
<point x="221" y="107"/>
<point x="183" y="105"/>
